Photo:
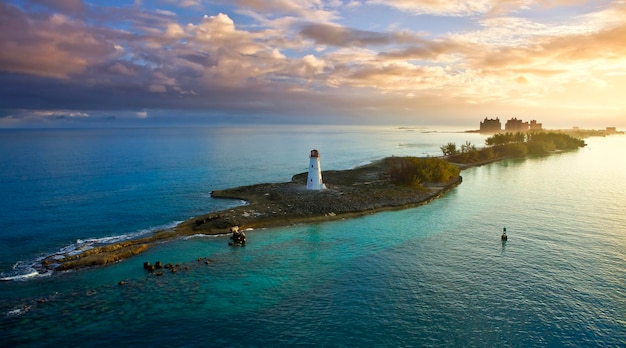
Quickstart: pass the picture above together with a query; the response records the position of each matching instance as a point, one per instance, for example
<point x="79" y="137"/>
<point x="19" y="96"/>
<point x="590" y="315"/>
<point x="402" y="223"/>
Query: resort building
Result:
<point x="534" y="126"/>
<point x="490" y="125"/>
<point x="515" y="125"/>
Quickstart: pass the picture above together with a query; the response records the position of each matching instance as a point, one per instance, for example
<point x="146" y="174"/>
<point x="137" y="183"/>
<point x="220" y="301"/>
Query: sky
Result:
<point x="116" y="63"/>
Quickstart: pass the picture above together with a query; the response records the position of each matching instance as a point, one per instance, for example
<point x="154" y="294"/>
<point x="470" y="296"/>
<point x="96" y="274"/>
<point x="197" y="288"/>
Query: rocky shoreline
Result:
<point x="350" y="193"/>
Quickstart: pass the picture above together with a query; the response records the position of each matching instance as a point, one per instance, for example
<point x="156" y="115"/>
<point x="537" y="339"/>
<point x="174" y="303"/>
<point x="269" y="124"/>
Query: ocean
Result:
<point x="432" y="276"/>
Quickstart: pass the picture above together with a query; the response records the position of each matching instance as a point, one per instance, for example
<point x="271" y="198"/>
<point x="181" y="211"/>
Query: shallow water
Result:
<point x="435" y="275"/>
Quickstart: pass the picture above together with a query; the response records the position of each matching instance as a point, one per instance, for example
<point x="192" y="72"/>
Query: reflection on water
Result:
<point x="428" y="276"/>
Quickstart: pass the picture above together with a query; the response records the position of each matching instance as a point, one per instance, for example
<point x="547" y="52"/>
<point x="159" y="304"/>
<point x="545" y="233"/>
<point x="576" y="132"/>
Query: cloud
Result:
<point x="335" y="35"/>
<point x="441" y="7"/>
<point x="121" y="69"/>
<point x="313" y="10"/>
<point x="560" y="51"/>
<point x="472" y="7"/>
<point x="61" y="114"/>
<point x="52" y="46"/>
<point x="154" y="88"/>
<point x="521" y="80"/>
<point x="301" y="57"/>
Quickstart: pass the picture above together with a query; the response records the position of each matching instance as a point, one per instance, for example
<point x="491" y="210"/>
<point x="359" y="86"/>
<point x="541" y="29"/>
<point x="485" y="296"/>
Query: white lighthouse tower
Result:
<point x="314" y="179"/>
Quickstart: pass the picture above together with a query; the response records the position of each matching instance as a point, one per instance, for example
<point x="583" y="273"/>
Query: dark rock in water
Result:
<point x="147" y="265"/>
<point x="158" y="265"/>
<point x="121" y="283"/>
<point x="169" y="266"/>
<point x="238" y="237"/>
<point x="159" y="274"/>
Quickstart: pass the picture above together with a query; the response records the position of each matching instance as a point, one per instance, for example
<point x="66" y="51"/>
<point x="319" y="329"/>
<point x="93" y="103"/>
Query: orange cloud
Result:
<point x="294" y="53"/>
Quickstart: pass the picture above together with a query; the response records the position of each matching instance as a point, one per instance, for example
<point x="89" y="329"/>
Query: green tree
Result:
<point x="449" y="149"/>
<point x="467" y="147"/>
<point x="518" y="137"/>
<point x="486" y="154"/>
<point x="413" y="171"/>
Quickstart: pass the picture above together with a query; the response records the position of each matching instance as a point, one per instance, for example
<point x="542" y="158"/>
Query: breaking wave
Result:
<point x="25" y="270"/>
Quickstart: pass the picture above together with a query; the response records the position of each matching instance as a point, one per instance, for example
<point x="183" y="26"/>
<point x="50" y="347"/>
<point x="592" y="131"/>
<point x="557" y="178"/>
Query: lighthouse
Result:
<point x="314" y="179"/>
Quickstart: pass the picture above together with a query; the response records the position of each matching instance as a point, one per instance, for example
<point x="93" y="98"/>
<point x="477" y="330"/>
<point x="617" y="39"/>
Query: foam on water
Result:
<point x="33" y="273"/>
<point x="200" y="235"/>
<point x="24" y="270"/>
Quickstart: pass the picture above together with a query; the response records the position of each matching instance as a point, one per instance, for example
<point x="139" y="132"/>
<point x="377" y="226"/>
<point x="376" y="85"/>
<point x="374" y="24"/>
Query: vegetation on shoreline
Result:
<point x="511" y="145"/>
<point x="413" y="171"/>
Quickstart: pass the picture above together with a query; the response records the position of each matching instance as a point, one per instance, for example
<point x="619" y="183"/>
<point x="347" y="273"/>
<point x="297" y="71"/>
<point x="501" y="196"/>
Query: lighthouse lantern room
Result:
<point x="314" y="179"/>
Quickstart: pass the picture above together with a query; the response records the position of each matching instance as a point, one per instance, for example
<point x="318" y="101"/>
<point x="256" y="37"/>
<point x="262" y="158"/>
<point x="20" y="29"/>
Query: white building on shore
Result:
<point x="314" y="178"/>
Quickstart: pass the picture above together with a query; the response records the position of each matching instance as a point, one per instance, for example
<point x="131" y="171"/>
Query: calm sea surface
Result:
<point x="435" y="275"/>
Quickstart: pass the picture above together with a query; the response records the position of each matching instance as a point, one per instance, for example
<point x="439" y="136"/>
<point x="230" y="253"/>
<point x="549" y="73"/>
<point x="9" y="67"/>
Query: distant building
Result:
<point x="491" y="125"/>
<point x="534" y="126"/>
<point x="515" y="125"/>
<point x="611" y="130"/>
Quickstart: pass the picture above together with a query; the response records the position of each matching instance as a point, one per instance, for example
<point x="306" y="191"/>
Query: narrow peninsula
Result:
<point x="348" y="193"/>
<point x="386" y="184"/>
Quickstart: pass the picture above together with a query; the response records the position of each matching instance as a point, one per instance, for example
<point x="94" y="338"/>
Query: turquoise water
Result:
<point x="435" y="275"/>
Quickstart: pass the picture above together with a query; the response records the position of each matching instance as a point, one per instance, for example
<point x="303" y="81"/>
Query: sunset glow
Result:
<point x="75" y="63"/>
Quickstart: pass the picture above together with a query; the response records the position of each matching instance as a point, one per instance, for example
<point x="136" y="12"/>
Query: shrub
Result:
<point x="513" y="149"/>
<point x="486" y="154"/>
<point x="412" y="171"/>
<point x="449" y="149"/>
<point x="540" y="147"/>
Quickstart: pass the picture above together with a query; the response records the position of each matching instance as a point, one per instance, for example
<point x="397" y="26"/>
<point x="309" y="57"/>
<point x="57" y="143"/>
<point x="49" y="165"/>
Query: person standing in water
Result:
<point x="503" y="237"/>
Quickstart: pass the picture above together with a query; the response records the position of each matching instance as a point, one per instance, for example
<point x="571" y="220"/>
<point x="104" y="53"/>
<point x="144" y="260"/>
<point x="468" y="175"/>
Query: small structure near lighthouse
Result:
<point x="314" y="179"/>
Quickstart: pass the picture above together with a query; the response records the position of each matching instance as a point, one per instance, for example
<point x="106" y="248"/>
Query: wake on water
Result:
<point x="25" y="270"/>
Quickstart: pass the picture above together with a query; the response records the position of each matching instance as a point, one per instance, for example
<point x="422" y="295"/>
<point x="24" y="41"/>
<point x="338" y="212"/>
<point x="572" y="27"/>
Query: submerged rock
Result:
<point x="238" y="237"/>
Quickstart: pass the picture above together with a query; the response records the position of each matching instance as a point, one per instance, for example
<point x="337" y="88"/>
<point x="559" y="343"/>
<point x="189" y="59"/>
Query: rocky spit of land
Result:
<point x="350" y="193"/>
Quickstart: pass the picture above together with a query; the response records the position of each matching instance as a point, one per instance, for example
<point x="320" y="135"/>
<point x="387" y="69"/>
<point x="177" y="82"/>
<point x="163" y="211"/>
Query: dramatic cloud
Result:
<point x="441" y="7"/>
<point x="83" y="62"/>
<point x="335" y="35"/>
<point x="471" y="7"/>
<point x="53" y="46"/>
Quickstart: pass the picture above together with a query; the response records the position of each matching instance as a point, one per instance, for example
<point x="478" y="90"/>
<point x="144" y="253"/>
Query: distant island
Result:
<point x="387" y="184"/>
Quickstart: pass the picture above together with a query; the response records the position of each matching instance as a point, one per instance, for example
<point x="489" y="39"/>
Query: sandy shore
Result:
<point x="350" y="193"/>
